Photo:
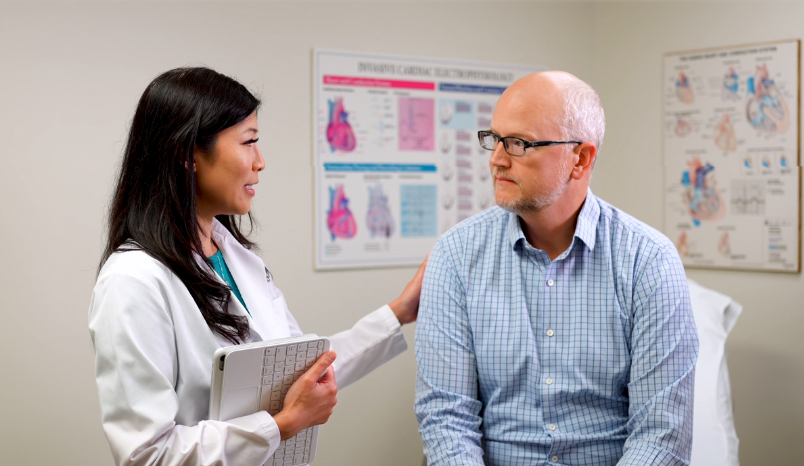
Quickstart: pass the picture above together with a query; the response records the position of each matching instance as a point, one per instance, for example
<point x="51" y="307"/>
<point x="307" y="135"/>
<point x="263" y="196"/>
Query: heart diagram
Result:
<point x="340" y="135"/>
<point x="340" y="221"/>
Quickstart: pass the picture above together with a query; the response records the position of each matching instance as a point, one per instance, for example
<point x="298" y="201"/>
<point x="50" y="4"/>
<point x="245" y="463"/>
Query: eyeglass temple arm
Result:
<point x="550" y="143"/>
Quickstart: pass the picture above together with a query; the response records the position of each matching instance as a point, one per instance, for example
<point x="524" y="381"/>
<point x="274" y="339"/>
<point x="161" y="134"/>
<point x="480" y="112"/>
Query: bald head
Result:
<point x="542" y="82"/>
<point x="558" y="99"/>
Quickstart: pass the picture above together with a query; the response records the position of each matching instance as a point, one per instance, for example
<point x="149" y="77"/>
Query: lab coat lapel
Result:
<point x="248" y="271"/>
<point x="235" y="308"/>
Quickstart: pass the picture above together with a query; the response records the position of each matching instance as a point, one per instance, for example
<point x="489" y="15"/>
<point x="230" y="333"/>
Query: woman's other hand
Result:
<point x="310" y="400"/>
<point x="406" y="306"/>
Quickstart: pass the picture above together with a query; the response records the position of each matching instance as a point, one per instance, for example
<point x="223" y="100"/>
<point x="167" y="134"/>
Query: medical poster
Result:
<point x="732" y="156"/>
<point x="397" y="161"/>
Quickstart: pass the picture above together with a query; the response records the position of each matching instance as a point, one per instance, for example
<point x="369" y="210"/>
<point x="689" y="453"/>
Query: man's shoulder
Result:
<point x="492" y="222"/>
<point x="626" y="230"/>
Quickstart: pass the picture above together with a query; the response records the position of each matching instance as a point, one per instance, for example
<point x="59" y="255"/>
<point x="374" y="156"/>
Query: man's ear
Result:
<point x="587" y="153"/>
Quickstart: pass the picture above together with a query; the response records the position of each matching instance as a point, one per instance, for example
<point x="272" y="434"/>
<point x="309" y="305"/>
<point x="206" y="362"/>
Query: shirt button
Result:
<point x="549" y="381"/>
<point x="551" y="282"/>
<point x="550" y="332"/>
<point x="554" y="459"/>
<point x="552" y="427"/>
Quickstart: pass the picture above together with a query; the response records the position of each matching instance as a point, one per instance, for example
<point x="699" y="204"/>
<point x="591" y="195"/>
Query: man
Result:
<point x="554" y="329"/>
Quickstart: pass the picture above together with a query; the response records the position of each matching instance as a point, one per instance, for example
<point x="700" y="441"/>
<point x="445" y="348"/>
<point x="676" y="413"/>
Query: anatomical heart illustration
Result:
<point x="340" y="221"/>
<point x="340" y="135"/>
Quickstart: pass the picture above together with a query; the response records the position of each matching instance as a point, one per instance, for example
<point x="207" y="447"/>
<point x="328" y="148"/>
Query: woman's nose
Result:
<point x="259" y="162"/>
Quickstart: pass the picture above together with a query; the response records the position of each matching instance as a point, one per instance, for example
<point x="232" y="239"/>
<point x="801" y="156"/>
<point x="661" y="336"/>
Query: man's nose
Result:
<point x="499" y="157"/>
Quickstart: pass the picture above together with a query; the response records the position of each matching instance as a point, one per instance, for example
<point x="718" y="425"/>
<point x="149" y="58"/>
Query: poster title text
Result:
<point x="727" y="53"/>
<point x="433" y="72"/>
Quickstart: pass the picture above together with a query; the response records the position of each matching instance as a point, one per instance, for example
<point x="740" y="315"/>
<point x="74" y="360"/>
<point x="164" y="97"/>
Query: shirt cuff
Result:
<point x="646" y="454"/>
<point x="388" y="317"/>
<point x="262" y="424"/>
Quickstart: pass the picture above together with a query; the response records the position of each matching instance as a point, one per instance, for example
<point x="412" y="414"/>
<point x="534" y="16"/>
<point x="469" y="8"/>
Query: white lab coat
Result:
<point x="153" y="359"/>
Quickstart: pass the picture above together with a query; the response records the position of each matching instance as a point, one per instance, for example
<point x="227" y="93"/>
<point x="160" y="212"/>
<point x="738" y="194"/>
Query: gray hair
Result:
<point x="583" y="114"/>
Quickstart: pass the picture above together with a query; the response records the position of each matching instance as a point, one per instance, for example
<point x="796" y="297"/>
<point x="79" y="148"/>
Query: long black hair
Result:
<point x="154" y="204"/>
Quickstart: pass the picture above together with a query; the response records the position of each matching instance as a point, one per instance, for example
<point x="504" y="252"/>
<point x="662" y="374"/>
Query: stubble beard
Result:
<point x="525" y="205"/>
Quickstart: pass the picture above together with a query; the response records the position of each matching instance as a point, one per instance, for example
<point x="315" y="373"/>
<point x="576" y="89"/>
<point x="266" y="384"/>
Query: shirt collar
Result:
<point x="585" y="228"/>
<point x="515" y="233"/>
<point x="588" y="218"/>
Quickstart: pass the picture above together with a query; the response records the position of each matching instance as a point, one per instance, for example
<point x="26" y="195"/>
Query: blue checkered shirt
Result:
<point x="585" y="360"/>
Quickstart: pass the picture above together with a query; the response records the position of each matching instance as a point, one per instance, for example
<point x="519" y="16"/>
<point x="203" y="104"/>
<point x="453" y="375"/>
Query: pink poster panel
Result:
<point x="416" y="124"/>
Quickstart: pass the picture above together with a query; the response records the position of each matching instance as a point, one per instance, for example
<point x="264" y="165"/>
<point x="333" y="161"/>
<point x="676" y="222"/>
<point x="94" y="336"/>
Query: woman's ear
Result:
<point x="196" y="153"/>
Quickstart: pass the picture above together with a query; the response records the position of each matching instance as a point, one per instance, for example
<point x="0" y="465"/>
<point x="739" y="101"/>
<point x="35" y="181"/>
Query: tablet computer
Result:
<point x="256" y="377"/>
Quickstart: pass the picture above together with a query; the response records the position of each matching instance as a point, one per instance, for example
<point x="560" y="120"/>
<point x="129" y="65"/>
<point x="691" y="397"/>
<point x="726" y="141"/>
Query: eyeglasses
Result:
<point x="514" y="146"/>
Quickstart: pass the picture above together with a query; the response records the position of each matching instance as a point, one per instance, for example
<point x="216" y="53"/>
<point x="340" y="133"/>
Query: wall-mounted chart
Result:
<point x="732" y="156"/>
<point x="396" y="156"/>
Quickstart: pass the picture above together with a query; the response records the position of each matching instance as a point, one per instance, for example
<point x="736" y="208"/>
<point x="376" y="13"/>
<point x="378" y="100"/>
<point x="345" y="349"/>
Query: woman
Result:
<point x="179" y="279"/>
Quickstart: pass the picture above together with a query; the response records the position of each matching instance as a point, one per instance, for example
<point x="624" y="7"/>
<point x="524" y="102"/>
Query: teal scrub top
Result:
<point x="223" y="270"/>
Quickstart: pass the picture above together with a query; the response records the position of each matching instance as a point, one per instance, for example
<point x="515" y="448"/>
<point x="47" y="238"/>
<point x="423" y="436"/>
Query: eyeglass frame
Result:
<point x="527" y="144"/>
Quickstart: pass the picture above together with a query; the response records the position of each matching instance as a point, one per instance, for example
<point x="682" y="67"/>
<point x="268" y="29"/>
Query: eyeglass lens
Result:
<point x="488" y="140"/>
<point x="513" y="146"/>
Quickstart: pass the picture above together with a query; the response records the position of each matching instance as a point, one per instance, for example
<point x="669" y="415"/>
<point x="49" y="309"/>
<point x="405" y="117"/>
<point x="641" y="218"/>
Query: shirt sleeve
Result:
<point x="136" y="368"/>
<point x="447" y="405"/>
<point x="664" y="349"/>
<point x="371" y="342"/>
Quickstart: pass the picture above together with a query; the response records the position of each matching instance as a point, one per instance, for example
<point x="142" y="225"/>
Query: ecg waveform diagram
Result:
<point x="416" y="124"/>
<point x="419" y="210"/>
<point x="748" y="197"/>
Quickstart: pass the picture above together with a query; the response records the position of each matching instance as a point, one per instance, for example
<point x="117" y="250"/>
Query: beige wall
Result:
<point x="70" y="76"/>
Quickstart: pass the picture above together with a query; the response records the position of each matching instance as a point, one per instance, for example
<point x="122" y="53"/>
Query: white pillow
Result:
<point x="714" y="439"/>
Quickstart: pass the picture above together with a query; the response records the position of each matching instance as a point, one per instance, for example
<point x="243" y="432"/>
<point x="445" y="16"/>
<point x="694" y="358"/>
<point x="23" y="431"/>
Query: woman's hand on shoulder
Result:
<point x="310" y="400"/>
<point x="406" y="306"/>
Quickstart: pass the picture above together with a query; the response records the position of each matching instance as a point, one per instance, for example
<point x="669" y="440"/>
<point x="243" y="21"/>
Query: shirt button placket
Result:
<point x="549" y="332"/>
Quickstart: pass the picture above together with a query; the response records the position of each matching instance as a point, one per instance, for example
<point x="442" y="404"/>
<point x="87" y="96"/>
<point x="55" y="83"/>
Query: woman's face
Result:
<point x="226" y="175"/>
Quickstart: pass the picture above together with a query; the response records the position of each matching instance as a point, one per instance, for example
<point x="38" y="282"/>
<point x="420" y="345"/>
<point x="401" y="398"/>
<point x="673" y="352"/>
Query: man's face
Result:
<point x="536" y="180"/>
